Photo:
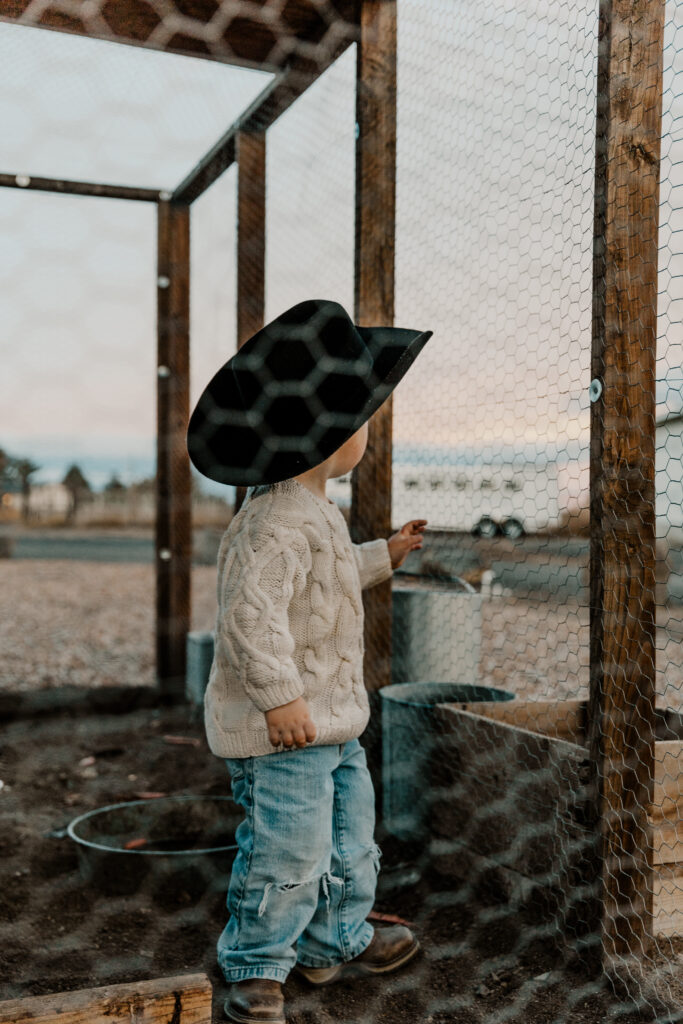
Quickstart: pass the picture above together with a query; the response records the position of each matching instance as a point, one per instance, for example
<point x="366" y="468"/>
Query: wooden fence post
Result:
<point x="374" y="295"/>
<point x="173" y="481"/>
<point x="251" y="241"/>
<point x="622" y="567"/>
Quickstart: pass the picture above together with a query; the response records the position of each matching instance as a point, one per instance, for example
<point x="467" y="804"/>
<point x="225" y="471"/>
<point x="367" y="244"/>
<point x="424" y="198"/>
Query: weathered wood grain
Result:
<point x="251" y="233"/>
<point x="251" y="241"/>
<point x="183" y="999"/>
<point x="667" y="841"/>
<point x="374" y="295"/>
<point x="622" y="568"/>
<point x="667" y="795"/>
<point x="667" y="898"/>
<point x="564" y="719"/>
<point x="173" y="481"/>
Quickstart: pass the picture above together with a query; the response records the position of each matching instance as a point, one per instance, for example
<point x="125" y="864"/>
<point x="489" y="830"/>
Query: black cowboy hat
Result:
<point x="295" y="392"/>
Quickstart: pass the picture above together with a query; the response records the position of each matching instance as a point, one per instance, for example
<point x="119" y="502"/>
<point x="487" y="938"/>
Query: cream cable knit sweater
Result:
<point x="290" y="620"/>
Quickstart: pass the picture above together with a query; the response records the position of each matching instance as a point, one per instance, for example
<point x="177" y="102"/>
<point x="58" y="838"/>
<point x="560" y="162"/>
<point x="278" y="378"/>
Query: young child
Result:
<point x="286" y="702"/>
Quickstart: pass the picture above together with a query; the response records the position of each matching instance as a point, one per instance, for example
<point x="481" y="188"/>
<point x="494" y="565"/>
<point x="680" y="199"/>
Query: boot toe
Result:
<point x="255" y="1001"/>
<point x="390" y="947"/>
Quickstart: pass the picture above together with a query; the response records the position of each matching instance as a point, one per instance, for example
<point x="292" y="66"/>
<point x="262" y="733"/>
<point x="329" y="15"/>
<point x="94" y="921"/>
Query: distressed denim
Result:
<point x="304" y="877"/>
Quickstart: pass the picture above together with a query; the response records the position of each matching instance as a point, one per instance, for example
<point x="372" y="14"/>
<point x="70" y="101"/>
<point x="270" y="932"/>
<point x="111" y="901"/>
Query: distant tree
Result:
<point x="25" y="470"/>
<point x="146" y="486"/>
<point x="78" y="488"/>
<point x="4" y="460"/>
<point x="114" y="486"/>
<point x="9" y="478"/>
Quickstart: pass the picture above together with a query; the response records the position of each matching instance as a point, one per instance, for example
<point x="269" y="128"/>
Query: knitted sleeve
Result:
<point x="264" y="576"/>
<point x="373" y="561"/>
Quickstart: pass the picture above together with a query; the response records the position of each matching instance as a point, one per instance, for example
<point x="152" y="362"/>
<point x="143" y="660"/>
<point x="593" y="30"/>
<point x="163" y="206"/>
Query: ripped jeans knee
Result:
<point x="376" y="855"/>
<point x="322" y="882"/>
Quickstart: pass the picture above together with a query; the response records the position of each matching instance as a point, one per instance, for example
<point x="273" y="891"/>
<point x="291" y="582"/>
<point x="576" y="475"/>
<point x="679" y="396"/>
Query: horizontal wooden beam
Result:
<point x="183" y="999"/>
<point x="80" y="188"/>
<point x="273" y="101"/>
<point x="264" y="35"/>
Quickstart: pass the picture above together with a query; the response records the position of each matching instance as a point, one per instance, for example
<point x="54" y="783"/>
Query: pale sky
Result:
<point x="494" y="223"/>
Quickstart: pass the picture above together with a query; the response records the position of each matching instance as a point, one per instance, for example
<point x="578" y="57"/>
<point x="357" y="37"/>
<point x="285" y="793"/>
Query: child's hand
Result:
<point x="290" y="724"/>
<point x="408" y="538"/>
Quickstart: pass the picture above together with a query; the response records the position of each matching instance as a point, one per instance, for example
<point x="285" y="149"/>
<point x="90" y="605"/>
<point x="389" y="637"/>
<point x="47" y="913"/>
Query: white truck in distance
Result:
<point x="485" y="498"/>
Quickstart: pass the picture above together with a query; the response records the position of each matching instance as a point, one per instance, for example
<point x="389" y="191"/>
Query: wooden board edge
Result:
<point x="184" y="998"/>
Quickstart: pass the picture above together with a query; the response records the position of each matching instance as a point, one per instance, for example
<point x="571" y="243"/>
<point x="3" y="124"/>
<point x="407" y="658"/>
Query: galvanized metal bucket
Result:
<point x="410" y="747"/>
<point x="200" y="646"/>
<point x="436" y="625"/>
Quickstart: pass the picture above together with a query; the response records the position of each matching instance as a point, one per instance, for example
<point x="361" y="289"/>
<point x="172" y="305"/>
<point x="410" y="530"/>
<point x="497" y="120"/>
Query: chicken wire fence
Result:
<point x="487" y="768"/>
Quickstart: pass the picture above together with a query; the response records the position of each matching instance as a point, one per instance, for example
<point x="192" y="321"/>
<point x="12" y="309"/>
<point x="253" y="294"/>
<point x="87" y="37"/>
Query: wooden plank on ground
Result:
<point x="374" y="296"/>
<point x="183" y="999"/>
<point x="622" y="464"/>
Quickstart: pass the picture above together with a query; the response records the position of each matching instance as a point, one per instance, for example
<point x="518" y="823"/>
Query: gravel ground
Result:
<point x="92" y="624"/>
<point x="84" y="623"/>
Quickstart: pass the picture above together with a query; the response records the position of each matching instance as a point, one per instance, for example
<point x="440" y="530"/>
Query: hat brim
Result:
<point x="217" y="429"/>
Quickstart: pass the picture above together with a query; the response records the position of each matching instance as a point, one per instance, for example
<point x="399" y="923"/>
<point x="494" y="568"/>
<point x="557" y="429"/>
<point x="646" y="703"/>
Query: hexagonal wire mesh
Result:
<point x="488" y="824"/>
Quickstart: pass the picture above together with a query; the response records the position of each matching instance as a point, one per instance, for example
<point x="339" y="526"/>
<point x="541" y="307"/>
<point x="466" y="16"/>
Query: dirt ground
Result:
<point x="60" y="930"/>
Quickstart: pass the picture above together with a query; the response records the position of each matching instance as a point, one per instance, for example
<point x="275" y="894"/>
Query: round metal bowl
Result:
<point x="176" y="844"/>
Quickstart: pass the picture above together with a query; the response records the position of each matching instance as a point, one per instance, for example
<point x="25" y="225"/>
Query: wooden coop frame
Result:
<point x="298" y="40"/>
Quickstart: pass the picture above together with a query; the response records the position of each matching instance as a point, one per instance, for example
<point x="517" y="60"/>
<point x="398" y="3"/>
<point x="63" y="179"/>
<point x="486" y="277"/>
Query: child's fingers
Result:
<point x="414" y="526"/>
<point x="310" y="730"/>
<point x="274" y="737"/>
<point x="287" y="738"/>
<point x="299" y="736"/>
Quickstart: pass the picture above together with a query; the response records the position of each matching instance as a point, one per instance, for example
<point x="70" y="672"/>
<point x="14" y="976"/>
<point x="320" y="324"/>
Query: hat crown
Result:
<point x="293" y="354"/>
<point x="312" y="331"/>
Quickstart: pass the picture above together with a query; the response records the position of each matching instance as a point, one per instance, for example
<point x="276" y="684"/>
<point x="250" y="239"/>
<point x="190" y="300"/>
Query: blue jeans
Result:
<point x="304" y="877"/>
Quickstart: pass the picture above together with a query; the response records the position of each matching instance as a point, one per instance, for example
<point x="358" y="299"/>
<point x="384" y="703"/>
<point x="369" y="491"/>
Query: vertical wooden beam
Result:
<point x="251" y="241"/>
<point x="622" y="641"/>
<point x="374" y="294"/>
<point x="174" y="511"/>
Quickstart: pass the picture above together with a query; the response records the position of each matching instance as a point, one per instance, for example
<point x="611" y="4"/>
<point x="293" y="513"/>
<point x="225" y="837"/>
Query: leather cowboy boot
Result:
<point x="255" y="1001"/>
<point x="390" y="949"/>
